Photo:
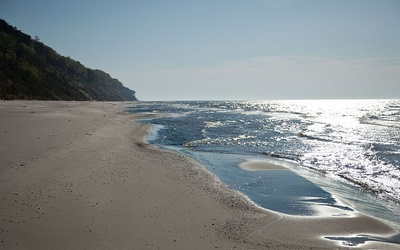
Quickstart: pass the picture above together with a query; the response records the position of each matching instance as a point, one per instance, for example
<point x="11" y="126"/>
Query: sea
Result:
<point x="344" y="154"/>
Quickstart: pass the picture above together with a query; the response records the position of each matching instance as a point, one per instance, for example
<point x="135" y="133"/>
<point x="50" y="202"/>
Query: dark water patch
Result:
<point x="278" y="190"/>
<point x="354" y="241"/>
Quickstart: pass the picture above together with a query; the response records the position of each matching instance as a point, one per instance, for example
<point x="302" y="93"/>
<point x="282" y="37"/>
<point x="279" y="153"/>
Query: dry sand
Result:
<point x="79" y="176"/>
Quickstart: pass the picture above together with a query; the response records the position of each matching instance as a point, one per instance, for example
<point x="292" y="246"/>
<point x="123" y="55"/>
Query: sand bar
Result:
<point x="79" y="176"/>
<point x="255" y="165"/>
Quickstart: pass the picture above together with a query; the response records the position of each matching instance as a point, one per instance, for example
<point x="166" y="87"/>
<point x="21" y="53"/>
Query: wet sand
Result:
<point x="79" y="176"/>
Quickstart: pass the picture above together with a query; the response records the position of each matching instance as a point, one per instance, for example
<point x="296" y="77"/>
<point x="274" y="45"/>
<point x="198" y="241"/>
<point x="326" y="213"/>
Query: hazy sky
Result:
<point x="226" y="49"/>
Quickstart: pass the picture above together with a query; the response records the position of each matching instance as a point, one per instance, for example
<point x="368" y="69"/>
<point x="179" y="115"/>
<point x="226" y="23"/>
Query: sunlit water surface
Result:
<point x="338" y="150"/>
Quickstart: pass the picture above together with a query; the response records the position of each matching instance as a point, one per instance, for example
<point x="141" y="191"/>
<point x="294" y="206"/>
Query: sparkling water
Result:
<point x="348" y="142"/>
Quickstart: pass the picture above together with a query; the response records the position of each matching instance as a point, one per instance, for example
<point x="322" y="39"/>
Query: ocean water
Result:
<point x="331" y="146"/>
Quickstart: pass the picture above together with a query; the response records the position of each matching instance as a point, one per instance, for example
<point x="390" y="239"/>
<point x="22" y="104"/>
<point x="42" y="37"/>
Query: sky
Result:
<point x="226" y="49"/>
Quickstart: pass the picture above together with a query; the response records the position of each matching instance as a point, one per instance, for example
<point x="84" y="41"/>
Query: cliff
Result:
<point x="31" y="70"/>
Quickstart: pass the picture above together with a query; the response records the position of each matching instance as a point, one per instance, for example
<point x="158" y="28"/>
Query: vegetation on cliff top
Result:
<point x="33" y="71"/>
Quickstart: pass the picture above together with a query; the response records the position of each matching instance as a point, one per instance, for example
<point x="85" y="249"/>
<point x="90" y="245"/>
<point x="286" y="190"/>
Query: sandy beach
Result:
<point x="78" y="175"/>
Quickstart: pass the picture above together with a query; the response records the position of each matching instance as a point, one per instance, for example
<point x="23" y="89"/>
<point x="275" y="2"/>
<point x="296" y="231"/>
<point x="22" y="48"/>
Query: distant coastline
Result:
<point x="30" y="70"/>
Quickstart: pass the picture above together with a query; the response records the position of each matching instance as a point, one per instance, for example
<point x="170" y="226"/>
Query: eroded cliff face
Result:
<point x="31" y="70"/>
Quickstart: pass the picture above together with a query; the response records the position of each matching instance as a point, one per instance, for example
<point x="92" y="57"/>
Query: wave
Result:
<point x="324" y="139"/>
<point x="312" y="137"/>
<point x="378" y="121"/>
<point x="214" y="124"/>
<point x="286" y="156"/>
<point x="380" y="191"/>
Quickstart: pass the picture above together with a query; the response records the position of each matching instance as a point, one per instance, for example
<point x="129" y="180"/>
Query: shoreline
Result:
<point x="326" y="214"/>
<point x="80" y="175"/>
